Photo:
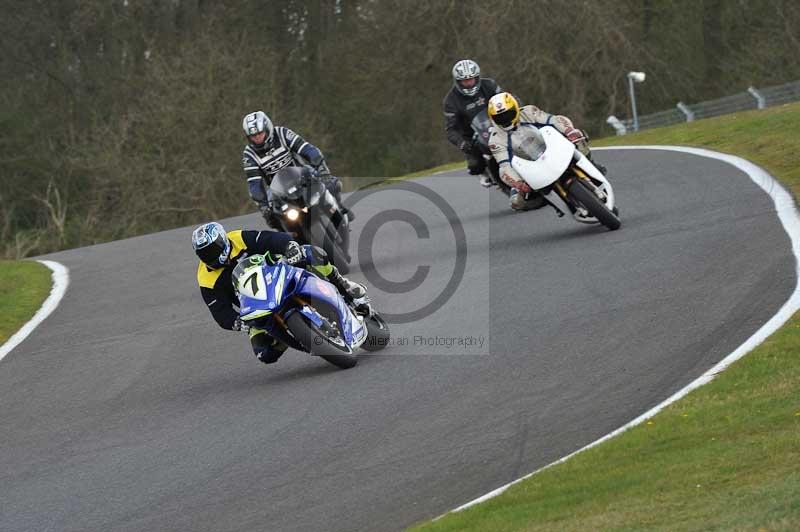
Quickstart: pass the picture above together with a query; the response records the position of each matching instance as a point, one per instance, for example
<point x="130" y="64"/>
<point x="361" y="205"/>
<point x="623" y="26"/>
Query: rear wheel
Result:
<point x="320" y="342"/>
<point x="592" y="203"/>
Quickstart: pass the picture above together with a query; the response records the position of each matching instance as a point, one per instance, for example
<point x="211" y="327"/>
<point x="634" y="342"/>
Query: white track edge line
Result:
<point x="788" y="215"/>
<point x="60" y="282"/>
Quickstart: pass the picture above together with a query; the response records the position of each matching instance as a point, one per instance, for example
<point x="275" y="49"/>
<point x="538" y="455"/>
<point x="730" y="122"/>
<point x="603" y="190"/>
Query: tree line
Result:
<point x="123" y="117"/>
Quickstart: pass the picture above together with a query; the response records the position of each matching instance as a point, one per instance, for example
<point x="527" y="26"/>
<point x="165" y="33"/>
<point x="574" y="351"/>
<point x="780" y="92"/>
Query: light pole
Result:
<point x="637" y="77"/>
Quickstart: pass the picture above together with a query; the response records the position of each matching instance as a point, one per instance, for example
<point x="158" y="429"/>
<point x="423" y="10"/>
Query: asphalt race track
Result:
<point x="129" y="410"/>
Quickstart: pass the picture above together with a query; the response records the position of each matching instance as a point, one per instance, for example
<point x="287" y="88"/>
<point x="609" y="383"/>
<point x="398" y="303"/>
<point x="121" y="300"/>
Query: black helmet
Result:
<point x="211" y="244"/>
<point x="258" y="129"/>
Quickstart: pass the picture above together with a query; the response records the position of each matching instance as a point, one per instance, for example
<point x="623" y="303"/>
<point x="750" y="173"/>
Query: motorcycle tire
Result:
<point x="317" y="343"/>
<point x="596" y="208"/>
<point x="377" y="333"/>
<point x="337" y="257"/>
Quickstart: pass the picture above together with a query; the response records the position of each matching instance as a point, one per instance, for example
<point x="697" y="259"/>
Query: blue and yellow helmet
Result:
<point x="211" y="244"/>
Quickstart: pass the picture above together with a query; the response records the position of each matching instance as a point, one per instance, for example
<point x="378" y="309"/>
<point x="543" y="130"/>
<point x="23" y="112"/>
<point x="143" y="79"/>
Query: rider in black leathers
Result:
<point x="270" y="148"/>
<point x="469" y="96"/>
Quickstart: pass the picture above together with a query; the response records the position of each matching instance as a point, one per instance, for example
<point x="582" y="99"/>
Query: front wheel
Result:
<point x="331" y="246"/>
<point x="592" y="203"/>
<point x="377" y="333"/>
<point x="319" y="343"/>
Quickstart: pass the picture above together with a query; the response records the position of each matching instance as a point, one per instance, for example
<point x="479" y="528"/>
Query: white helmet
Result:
<point x="253" y="125"/>
<point x="467" y="77"/>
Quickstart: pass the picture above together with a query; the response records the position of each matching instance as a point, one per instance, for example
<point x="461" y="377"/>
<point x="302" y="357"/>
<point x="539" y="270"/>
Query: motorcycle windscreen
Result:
<point x="542" y="163"/>
<point x="480" y="125"/>
<point x="313" y="194"/>
<point x="287" y="183"/>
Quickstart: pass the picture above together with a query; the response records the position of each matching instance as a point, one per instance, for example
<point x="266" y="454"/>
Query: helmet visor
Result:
<point x="506" y="118"/>
<point x="258" y="138"/>
<point x="467" y="84"/>
<point x="210" y="255"/>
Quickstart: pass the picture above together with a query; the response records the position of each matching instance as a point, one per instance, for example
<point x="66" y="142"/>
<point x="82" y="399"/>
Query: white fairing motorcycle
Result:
<point x="552" y="166"/>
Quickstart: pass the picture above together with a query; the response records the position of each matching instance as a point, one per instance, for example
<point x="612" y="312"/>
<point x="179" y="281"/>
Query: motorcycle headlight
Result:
<point x="292" y="214"/>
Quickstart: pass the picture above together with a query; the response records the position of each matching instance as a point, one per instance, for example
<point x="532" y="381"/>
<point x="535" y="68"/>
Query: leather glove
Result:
<point x="467" y="146"/>
<point x="574" y="135"/>
<point x="270" y="217"/>
<point x="322" y="169"/>
<point x="265" y="208"/>
<point x="239" y="325"/>
<point x="294" y="253"/>
<point x="312" y="173"/>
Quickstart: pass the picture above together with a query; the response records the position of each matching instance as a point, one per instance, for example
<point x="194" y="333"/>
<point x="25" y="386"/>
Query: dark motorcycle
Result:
<point x="480" y="125"/>
<point x="307" y="210"/>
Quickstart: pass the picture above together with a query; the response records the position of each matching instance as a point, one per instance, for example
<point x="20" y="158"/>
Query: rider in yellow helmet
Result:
<point x="512" y="127"/>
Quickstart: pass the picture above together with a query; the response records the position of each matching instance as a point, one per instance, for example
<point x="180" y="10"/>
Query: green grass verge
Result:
<point x="727" y="456"/>
<point x="24" y="285"/>
<point x="767" y="138"/>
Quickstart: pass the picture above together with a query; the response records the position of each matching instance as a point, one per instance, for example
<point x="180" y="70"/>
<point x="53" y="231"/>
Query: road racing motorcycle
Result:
<point x="569" y="182"/>
<point x="306" y="312"/>
<point x="308" y="211"/>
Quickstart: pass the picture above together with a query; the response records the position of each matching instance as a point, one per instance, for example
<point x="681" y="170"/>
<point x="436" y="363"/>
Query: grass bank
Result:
<point x="24" y="285"/>
<point x="723" y="458"/>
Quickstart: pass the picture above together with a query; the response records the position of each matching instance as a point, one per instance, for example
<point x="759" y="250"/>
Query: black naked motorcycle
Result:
<point x="307" y="210"/>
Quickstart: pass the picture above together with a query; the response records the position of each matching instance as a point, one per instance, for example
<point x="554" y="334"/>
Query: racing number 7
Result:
<point x="253" y="280"/>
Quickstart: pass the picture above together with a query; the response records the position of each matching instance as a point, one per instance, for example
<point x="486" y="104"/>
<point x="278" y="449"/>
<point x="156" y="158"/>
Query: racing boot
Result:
<point x="266" y="348"/>
<point x="355" y="293"/>
<point x="349" y="289"/>
<point x="526" y="202"/>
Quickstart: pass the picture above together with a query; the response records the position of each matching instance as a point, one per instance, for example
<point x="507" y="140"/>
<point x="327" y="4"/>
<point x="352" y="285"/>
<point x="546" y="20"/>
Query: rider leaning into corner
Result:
<point x="469" y="96"/>
<point x="270" y="148"/>
<point x="220" y="251"/>
<point x="512" y="127"/>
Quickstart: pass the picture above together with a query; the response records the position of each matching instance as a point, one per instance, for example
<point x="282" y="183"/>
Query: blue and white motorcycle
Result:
<point x="306" y="312"/>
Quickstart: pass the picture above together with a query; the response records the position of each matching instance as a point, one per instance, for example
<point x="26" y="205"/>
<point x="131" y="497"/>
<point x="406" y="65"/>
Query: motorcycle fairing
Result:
<point x="352" y="327"/>
<point x="265" y="289"/>
<point x="262" y="289"/>
<point x="591" y="170"/>
<point x="550" y="165"/>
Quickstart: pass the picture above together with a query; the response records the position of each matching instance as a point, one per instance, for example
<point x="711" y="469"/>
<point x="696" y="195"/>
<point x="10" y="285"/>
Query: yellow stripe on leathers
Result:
<point x="207" y="277"/>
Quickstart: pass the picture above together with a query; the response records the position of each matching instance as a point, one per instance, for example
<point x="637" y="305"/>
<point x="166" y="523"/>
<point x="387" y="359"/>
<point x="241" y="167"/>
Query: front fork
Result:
<point x="558" y="197"/>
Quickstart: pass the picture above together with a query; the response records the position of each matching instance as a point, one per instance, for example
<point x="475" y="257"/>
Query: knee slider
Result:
<point x="269" y="355"/>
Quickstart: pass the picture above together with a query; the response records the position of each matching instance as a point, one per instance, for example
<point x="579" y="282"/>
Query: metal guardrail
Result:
<point x="752" y="98"/>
